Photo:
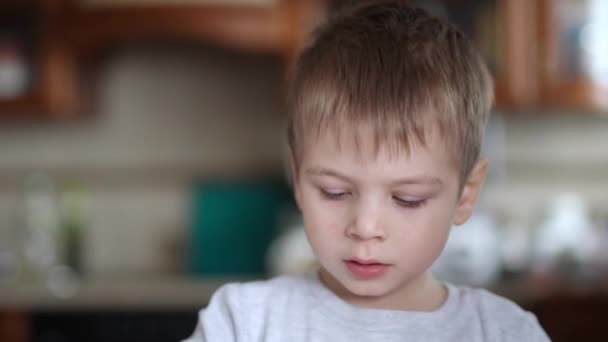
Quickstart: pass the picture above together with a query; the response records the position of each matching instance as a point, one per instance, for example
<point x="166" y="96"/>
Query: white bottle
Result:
<point x="41" y="224"/>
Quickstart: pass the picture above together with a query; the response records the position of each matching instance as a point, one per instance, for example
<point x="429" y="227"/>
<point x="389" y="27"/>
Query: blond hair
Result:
<point x="394" y="69"/>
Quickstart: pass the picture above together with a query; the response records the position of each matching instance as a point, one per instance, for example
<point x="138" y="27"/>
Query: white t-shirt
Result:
<point x="301" y="308"/>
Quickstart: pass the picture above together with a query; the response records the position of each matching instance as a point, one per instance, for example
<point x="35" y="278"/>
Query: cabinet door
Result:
<point x="37" y="71"/>
<point x="574" y="54"/>
<point x="503" y="31"/>
<point x="19" y="41"/>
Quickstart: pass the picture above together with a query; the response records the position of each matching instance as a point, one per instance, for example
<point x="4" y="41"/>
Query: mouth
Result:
<point x="366" y="269"/>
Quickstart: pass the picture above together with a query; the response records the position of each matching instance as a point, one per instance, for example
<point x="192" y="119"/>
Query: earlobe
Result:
<point x="470" y="192"/>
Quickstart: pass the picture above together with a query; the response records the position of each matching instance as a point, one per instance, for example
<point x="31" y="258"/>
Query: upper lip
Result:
<point x="366" y="261"/>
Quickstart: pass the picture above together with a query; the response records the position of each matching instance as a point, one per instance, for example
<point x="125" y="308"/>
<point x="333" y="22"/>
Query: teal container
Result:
<point x="233" y="224"/>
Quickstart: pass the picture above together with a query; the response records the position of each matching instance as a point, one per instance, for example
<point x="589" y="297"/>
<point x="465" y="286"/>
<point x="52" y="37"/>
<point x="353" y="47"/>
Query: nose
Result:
<point x="367" y="223"/>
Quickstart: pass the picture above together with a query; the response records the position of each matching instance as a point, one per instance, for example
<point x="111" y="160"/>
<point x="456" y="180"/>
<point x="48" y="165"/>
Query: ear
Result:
<point x="293" y="171"/>
<point x="470" y="192"/>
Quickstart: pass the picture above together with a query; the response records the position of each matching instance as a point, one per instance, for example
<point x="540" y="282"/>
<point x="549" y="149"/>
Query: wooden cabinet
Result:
<point x="37" y="73"/>
<point x="574" y="58"/>
<point x="69" y="37"/>
<point x="501" y="29"/>
<point x="543" y="53"/>
<point x="275" y="28"/>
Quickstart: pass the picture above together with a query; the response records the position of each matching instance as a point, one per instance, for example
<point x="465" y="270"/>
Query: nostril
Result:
<point x="365" y="232"/>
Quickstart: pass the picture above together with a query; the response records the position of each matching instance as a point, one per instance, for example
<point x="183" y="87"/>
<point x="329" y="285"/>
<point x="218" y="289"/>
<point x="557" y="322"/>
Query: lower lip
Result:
<point x="366" y="271"/>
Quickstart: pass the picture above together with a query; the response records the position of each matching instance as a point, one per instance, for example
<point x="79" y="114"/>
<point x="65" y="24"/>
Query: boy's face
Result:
<point x="375" y="221"/>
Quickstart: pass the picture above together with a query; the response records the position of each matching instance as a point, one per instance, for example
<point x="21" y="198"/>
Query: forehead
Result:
<point x="357" y="153"/>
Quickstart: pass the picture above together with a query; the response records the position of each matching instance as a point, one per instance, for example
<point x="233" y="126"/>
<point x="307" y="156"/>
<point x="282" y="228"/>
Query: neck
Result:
<point x="424" y="293"/>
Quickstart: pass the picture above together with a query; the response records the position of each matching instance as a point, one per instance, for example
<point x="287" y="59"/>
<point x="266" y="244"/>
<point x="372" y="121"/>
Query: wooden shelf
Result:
<point x="255" y="29"/>
<point x="24" y="104"/>
<point x="578" y="94"/>
<point x="31" y="106"/>
<point x="99" y="293"/>
<point x="273" y="29"/>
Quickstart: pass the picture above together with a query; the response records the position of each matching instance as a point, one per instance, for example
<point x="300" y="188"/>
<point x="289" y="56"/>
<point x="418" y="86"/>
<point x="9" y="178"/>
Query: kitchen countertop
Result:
<point x="188" y="293"/>
<point x="109" y="294"/>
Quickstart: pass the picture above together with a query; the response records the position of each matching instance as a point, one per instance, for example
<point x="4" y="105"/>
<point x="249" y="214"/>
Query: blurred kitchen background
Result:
<point x="142" y="161"/>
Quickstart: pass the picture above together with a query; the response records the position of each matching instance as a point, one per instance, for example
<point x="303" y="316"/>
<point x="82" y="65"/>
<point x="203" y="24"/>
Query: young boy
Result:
<point x="387" y="111"/>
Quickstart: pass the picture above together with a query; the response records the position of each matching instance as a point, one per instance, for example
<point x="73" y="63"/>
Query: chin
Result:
<point x="366" y="288"/>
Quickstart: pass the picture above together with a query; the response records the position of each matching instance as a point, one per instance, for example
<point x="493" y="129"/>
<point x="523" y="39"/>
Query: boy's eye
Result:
<point x="412" y="204"/>
<point x="333" y="195"/>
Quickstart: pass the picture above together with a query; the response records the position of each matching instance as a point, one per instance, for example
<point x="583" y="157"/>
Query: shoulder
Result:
<point x="501" y="315"/>
<point x="238" y="311"/>
<point x="488" y="302"/>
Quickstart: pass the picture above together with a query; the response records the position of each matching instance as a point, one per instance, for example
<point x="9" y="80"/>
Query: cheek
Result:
<point x="323" y="220"/>
<point x="425" y="233"/>
<point x="319" y="213"/>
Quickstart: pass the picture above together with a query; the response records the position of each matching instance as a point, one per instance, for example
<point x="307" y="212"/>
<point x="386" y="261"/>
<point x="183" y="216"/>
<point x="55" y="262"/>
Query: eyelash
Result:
<point x="332" y="195"/>
<point x="400" y="202"/>
<point x="409" y="204"/>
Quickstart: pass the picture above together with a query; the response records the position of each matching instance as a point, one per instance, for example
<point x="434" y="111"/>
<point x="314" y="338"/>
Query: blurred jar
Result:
<point x="9" y="263"/>
<point x="564" y="239"/>
<point x="290" y="253"/>
<point x="516" y="248"/>
<point x="472" y="255"/>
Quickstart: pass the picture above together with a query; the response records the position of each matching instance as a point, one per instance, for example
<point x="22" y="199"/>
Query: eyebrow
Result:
<point x="419" y="180"/>
<point x="318" y="171"/>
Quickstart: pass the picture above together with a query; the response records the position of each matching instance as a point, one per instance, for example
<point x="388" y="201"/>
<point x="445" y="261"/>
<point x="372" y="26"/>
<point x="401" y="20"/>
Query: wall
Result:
<point x="550" y="153"/>
<point x="166" y="116"/>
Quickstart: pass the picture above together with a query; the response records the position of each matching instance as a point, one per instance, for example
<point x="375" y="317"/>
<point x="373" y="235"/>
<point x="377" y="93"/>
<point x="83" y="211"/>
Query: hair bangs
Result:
<point x="398" y="108"/>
